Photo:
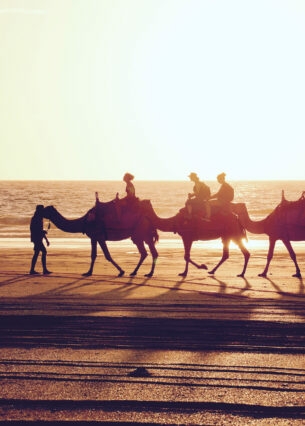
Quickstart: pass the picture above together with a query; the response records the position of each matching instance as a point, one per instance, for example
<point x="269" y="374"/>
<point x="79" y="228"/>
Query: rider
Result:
<point x="197" y="200"/>
<point x="130" y="189"/>
<point x="130" y="198"/>
<point x="223" y="197"/>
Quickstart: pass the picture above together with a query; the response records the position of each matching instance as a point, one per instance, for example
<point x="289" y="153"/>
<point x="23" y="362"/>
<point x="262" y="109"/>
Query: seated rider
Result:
<point x="223" y="197"/>
<point x="130" y="199"/>
<point x="130" y="189"/>
<point x="197" y="200"/>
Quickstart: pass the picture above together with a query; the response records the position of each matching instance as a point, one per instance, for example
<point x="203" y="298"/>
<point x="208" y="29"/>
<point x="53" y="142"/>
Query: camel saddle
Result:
<point x="118" y="213"/>
<point x="291" y="212"/>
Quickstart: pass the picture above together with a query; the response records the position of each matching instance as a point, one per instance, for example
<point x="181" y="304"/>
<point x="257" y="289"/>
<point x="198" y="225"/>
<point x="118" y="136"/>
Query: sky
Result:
<point x="91" y="89"/>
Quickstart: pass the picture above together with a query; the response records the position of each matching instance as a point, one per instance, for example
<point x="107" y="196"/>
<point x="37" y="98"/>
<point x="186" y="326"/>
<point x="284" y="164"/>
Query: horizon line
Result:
<point x="146" y="180"/>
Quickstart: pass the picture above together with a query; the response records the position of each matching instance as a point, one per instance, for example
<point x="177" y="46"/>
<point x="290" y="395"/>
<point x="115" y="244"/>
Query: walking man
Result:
<point x="37" y="236"/>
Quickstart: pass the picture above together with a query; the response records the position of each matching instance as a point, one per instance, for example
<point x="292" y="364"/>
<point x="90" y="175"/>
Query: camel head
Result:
<point x="49" y="212"/>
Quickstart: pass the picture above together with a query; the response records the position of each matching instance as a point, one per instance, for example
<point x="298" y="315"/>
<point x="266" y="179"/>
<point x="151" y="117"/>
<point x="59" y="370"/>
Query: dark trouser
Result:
<point x="39" y="247"/>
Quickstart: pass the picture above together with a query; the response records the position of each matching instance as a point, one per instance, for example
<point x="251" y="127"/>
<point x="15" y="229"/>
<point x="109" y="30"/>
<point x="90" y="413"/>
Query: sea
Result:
<point x="18" y="200"/>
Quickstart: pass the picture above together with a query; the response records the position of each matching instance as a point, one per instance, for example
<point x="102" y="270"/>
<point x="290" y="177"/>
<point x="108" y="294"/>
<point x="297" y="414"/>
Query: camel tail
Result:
<point x="155" y="236"/>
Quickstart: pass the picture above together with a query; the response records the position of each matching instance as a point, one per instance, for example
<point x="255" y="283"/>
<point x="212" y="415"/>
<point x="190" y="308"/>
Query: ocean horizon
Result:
<point x="74" y="198"/>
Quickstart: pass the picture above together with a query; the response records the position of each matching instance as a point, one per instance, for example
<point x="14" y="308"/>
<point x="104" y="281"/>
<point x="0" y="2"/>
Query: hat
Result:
<point x="221" y="175"/>
<point x="193" y="175"/>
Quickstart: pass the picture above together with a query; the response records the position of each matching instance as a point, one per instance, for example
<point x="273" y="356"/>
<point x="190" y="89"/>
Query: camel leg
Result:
<point x="143" y="255"/>
<point x="108" y="257"/>
<point x="202" y="266"/>
<point x="246" y="254"/>
<point x="293" y="257"/>
<point x="187" y="257"/>
<point x="269" y="258"/>
<point x="225" y="256"/>
<point x="93" y="257"/>
<point x="155" y="255"/>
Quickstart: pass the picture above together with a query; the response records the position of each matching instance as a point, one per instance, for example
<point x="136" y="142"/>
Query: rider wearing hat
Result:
<point x="223" y="197"/>
<point x="197" y="200"/>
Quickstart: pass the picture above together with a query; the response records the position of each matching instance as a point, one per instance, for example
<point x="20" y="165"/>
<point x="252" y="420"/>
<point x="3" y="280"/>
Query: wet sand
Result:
<point x="166" y="350"/>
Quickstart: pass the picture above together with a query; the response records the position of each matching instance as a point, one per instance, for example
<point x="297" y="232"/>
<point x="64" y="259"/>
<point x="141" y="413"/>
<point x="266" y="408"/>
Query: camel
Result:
<point x="224" y="226"/>
<point x="286" y="223"/>
<point x="111" y="221"/>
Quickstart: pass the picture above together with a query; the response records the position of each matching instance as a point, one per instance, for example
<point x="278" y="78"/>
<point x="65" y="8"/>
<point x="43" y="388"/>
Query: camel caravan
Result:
<point x="204" y="217"/>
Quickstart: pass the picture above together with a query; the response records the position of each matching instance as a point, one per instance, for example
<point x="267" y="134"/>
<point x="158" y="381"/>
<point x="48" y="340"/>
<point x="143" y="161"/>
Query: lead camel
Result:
<point x="102" y="223"/>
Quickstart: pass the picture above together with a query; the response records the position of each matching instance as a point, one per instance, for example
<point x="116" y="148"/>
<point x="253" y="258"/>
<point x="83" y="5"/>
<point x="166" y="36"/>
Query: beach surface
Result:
<point x="163" y="350"/>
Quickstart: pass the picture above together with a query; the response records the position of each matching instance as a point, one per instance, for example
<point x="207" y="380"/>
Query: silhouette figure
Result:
<point x="222" y="198"/>
<point x="130" y="189"/>
<point x="37" y="236"/>
<point x="226" y="227"/>
<point x="197" y="200"/>
<point x="100" y="225"/>
<point x="286" y="223"/>
<point x="129" y="200"/>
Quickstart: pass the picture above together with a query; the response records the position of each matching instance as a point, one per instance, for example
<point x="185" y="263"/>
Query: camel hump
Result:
<point x="291" y="212"/>
<point x="300" y="203"/>
<point x="121" y="213"/>
<point x="144" y="204"/>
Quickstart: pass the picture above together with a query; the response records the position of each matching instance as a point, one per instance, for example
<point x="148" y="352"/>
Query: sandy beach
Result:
<point x="214" y="349"/>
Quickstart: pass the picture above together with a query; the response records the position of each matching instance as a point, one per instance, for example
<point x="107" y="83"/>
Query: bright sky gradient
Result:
<point x="91" y="89"/>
